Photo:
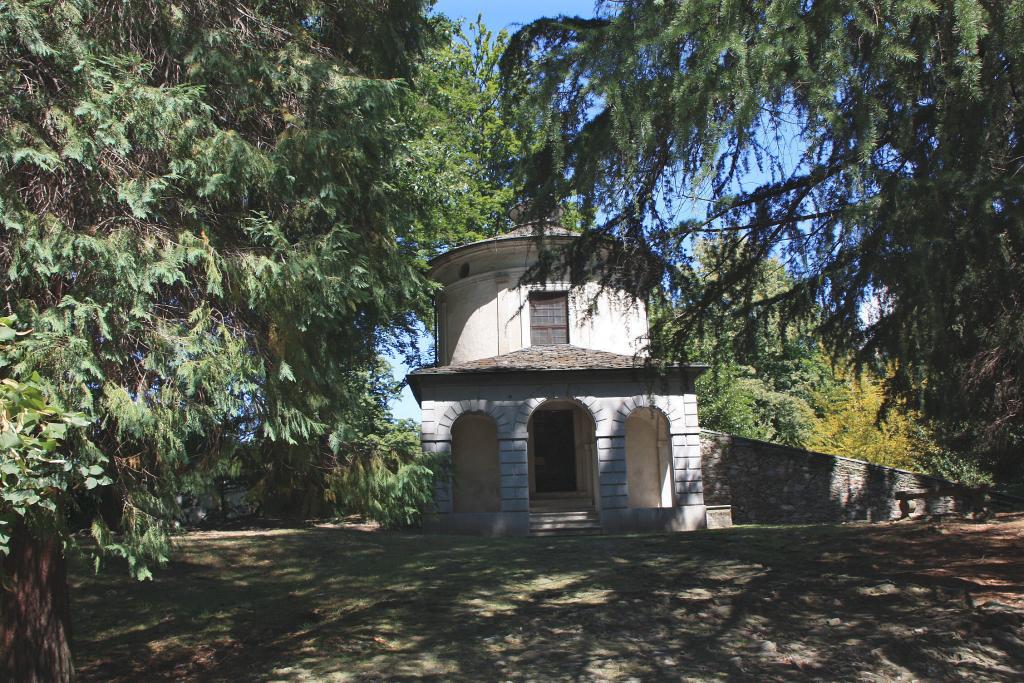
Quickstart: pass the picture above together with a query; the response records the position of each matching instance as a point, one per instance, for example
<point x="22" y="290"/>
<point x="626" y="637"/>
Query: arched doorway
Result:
<point x="476" y="476"/>
<point x="648" y="459"/>
<point x="562" y="455"/>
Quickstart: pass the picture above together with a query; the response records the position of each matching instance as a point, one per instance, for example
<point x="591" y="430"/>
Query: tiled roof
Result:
<point x="523" y="232"/>
<point x="555" y="357"/>
<point x="533" y="229"/>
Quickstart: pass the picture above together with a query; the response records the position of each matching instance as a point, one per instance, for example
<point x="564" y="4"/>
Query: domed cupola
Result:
<point x="485" y="310"/>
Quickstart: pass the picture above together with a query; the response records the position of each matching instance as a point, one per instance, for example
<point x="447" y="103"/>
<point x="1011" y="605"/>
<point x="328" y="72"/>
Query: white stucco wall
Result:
<point x="485" y="312"/>
<point x="648" y="459"/>
<point x="476" y="469"/>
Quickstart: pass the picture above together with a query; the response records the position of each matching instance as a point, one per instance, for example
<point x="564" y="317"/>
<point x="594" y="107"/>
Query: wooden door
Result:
<point x="554" y="451"/>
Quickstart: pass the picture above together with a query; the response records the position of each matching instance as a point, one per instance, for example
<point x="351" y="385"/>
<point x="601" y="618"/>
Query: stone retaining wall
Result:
<point x="767" y="483"/>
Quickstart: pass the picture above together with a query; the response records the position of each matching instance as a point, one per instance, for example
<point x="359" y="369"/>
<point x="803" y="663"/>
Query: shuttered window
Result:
<point x="549" y="319"/>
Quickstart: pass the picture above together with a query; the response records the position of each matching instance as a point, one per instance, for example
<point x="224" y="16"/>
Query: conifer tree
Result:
<point x="208" y="218"/>
<point x="874" y="146"/>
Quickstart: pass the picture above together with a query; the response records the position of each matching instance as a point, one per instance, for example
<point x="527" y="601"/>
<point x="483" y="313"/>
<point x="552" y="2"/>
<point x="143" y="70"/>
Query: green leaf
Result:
<point x="77" y="420"/>
<point x="55" y="430"/>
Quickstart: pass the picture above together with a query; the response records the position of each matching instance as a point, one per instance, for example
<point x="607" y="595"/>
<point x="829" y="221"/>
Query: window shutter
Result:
<point x="549" y="319"/>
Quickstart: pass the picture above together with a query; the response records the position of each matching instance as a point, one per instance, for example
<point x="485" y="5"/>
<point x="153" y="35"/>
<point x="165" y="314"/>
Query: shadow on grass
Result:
<point x="772" y="603"/>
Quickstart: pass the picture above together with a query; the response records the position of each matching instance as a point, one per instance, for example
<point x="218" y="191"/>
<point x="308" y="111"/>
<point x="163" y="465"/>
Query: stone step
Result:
<point x="569" y="522"/>
<point x="563" y="516"/>
<point x="566" y="524"/>
<point x="566" y="532"/>
<point x="559" y="495"/>
<point x="563" y="513"/>
<point x="560" y="505"/>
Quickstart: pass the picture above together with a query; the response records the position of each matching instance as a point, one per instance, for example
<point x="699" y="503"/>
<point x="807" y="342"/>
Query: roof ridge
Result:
<point x="541" y="347"/>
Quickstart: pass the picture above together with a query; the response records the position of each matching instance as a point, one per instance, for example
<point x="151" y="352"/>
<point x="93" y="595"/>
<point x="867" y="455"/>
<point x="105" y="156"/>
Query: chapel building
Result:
<point x="544" y="404"/>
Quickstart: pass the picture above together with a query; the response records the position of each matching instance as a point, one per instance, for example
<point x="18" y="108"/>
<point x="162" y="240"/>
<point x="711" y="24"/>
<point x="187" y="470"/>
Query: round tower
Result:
<point x="485" y="310"/>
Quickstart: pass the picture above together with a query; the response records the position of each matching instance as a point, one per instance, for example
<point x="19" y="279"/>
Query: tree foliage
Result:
<point x="761" y="382"/>
<point x="468" y="145"/>
<point x="209" y="218"/>
<point x="386" y="477"/>
<point x="873" y="145"/>
<point x="775" y="382"/>
<point x="372" y="466"/>
<point x="38" y="469"/>
<point x="854" y="424"/>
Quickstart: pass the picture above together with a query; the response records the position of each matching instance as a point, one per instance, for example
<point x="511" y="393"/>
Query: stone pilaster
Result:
<point x="443" y="485"/>
<point x="515" y="478"/>
<point x="687" y="480"/>
<point x="611" y="472"/>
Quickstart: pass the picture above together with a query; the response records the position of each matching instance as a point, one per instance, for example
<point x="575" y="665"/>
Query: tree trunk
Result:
<point x="35" y="637"/>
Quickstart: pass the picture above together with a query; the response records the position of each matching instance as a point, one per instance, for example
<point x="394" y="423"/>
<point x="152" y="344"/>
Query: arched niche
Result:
<point x="648" y="459"/>
<point x="476" y="469"/>
<point x="562" y="453"/>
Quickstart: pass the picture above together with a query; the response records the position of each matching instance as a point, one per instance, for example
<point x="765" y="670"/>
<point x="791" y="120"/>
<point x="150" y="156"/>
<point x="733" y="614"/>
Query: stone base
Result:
<point x="683" y="518"/>
<point x="719" y="516"/>
<point x="478" y="523"/>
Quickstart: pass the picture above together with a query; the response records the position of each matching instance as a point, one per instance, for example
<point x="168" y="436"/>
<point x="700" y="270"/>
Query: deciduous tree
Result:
<point x="854" y="424"/>
<point x="469" y="146"/>
<point x="763" y="378"/>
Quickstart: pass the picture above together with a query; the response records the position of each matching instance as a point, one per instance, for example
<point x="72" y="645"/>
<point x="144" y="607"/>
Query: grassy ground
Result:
<point x="910" y="600"/>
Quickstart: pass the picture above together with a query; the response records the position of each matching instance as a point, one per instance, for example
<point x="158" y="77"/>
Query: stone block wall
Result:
<point x="767" y="483"/>
<point x="609" y="398"/>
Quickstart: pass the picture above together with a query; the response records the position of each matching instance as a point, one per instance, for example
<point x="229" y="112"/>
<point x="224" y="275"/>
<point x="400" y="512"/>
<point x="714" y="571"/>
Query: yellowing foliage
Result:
<point x="851" y="426"/>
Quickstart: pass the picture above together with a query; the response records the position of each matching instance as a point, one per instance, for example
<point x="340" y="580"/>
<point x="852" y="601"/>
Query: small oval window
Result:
<point x="464" y="270"/>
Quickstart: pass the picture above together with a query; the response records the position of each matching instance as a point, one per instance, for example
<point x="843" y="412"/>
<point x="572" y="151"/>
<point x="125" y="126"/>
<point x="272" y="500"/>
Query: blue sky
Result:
<point x="496" y="15"/>
<point x="499" y="15"/>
